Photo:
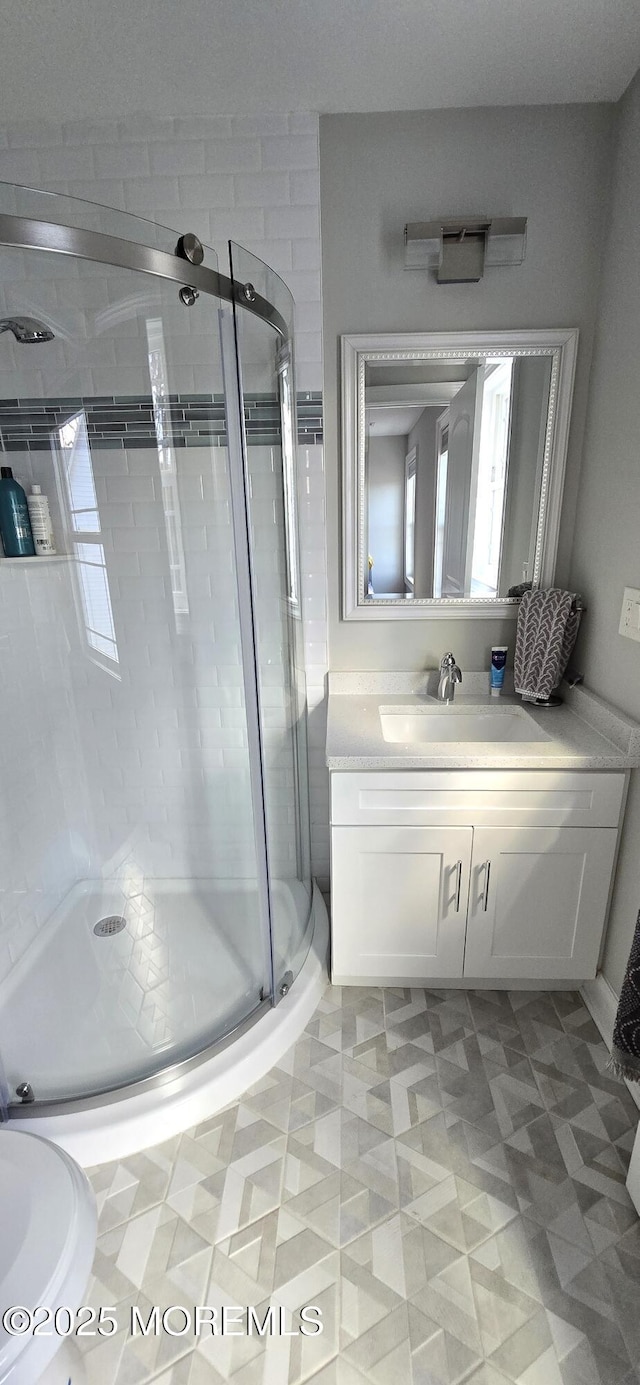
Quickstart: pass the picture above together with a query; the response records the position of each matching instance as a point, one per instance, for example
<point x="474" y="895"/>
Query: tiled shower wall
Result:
<point x="136" y="765"/>
<point x="254" y="180"/>
<point x="44" y="798"/>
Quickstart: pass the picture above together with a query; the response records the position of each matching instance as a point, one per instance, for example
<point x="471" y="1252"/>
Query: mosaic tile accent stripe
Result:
<point x="125" y="421"/>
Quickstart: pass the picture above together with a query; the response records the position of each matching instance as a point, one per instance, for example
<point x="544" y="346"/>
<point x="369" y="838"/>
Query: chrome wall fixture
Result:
<point x="26" y="329"/>
<point x="461" y="248"/>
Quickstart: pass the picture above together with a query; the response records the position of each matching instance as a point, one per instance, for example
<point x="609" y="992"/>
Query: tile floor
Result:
<point x="440" y="1172"/>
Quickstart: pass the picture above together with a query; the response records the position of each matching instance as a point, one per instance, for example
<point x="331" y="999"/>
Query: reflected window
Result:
<point x="410" y="519"/>
<point x="84" y="519"/>
<point x="441" y="506"/>
<point x="492" y="478"/>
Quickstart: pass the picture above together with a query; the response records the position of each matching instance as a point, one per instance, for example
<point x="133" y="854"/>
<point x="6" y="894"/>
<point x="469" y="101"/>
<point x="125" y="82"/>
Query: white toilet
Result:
<point x="47" y="1243"/>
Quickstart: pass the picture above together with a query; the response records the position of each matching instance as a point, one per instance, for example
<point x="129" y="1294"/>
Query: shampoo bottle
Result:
<point x="41" y="526"/>
<point x="15" y="525"/>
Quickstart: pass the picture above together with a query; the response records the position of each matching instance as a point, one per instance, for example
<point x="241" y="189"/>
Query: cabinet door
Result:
<point x="399" y="902"/>
<point x="537" y="901"/>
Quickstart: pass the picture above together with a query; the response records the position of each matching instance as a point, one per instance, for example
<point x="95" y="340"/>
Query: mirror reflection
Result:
<point x="453" y="462"/>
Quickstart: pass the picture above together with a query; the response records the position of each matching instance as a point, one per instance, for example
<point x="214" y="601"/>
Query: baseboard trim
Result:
<point x="602" y="1003"/>
<point x="456" y="983"/>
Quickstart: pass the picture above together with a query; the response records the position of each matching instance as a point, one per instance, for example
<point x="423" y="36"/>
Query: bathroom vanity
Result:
<point x="472" y="844"/>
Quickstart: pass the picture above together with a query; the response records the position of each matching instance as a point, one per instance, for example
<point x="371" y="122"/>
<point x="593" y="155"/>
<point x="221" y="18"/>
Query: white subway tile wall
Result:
<point x="131" y="760"/>
<point x="255" y="180"/>
<point x="44" y="791"/>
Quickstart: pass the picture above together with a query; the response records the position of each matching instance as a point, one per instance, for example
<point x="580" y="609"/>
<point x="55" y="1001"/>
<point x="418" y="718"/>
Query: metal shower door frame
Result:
<point x="292" y="599"/>
<point x="27" y="233"/>
<point x="4" y="1094"/>
<point x="240" y="518"/>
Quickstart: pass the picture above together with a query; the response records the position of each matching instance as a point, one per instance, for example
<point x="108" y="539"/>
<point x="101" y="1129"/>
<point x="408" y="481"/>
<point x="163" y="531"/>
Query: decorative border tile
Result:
<point x="127" y="421"/>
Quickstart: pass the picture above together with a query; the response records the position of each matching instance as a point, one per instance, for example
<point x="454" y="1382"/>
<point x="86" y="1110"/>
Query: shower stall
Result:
<point x="156" y="894"/>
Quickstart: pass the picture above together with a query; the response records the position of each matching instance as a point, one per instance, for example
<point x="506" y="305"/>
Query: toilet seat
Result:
<point x="47" y="1243"/>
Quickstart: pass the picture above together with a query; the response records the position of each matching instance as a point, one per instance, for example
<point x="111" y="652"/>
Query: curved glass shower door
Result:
<point x="266" y="381"/>
<point x="134" y="931"/>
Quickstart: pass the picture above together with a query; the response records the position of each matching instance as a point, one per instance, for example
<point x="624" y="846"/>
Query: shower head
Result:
<point x="26" y="329"/>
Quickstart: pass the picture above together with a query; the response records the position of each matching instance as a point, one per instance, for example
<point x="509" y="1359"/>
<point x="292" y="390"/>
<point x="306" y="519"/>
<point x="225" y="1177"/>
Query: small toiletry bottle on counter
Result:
<point x="41" y="526"/>
<point x="15" y="525"/>
<point x="498" y="665"/>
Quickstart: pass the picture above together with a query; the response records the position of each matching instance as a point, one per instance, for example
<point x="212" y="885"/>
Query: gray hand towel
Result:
<point x="547" y="627"/>
<point x="625" y="1052"/>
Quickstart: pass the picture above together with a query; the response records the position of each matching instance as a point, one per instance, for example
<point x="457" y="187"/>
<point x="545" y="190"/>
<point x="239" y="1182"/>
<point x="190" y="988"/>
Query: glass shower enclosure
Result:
<point x="154" y="851"/>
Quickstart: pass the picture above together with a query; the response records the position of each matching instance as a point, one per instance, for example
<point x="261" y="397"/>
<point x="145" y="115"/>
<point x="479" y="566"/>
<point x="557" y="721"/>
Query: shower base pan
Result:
<point x="93" y="1006"/>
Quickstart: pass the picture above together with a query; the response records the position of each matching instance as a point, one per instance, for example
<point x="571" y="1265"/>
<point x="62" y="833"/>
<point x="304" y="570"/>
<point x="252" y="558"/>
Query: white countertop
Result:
<point x="585" y="733"/>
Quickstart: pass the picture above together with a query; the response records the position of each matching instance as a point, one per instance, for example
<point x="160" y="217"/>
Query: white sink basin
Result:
<point x="477" y="724"/>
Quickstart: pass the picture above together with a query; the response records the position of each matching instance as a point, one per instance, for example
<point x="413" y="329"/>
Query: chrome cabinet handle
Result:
<point x="487" y="866"/>
<point x="459" y="869"/>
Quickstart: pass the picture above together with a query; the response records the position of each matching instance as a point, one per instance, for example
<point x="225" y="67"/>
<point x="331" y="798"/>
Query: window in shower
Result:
<point x="289" y="465"/>
<point x="159" y="377"/>
<point x="84" y="517"/>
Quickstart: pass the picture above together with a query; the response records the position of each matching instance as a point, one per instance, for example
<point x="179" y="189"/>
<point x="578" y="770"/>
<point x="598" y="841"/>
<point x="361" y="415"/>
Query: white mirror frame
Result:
<point x="357" y="351"/>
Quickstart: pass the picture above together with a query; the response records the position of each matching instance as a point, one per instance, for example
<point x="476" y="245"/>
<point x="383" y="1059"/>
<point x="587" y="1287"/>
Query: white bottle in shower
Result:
<point x="41" y="526"/>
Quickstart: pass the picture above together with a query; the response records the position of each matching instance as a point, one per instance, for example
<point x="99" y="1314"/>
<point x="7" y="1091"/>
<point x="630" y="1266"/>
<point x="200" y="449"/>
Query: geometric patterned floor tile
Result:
<point x="124" y="1189"/>
<point x="338" y="1371"/>
<point x="441" y="1172"/>
<point x="340" y="1207"/>
<point x="460" y="1213"/>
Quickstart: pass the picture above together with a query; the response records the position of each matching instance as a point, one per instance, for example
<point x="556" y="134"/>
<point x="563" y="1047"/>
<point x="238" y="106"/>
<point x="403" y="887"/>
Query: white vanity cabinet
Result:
<point x="537" y="901"/>
<point x="475" y="876"/>
<point x="401" y="899"/>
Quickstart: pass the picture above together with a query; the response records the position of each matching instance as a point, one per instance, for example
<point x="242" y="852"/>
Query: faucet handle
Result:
<point x="447" y="661"/>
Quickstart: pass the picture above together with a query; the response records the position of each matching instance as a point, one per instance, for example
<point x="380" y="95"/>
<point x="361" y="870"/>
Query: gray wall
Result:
<point x="551" y="164"/>
<point x="385" y="476"/>
<point x="606" y="553"/>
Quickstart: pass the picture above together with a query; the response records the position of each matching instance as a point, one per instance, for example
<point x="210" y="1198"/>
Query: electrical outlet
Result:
<point x="630" y="615"/>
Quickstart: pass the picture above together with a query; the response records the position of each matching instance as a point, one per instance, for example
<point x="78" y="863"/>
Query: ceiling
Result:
<point x="392" y="423"/>
<point x="111" y="58"/>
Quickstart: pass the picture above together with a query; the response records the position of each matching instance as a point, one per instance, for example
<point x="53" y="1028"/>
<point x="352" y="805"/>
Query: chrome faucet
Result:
<point x="449" y="675"/>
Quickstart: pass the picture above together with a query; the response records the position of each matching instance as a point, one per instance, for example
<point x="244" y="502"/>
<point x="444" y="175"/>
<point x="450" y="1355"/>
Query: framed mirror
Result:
<point x="453" y="456"/>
